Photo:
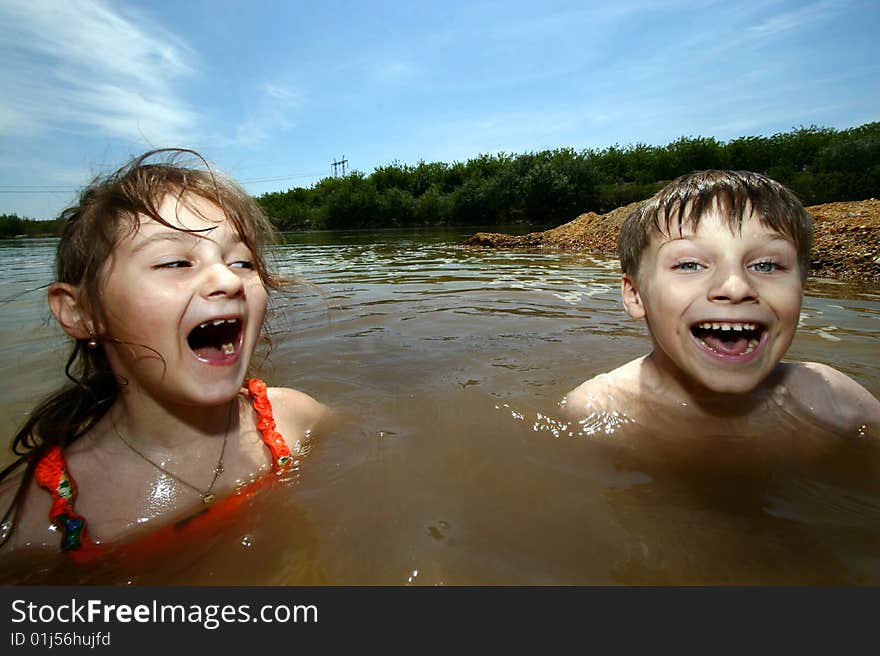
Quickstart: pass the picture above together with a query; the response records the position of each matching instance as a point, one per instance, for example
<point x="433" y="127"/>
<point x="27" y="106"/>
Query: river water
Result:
<point x="447" y="365"/>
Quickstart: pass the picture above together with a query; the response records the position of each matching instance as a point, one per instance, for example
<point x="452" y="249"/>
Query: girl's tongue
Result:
<point x="215" y="341"/>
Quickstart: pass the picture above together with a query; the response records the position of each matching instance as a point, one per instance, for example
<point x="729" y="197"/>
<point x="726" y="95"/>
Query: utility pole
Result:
<point x="339" y="163"/>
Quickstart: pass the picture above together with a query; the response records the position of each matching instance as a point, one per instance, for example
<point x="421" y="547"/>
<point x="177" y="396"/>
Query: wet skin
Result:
<point x="722" y="306"/>
<point x="161" y="284"/>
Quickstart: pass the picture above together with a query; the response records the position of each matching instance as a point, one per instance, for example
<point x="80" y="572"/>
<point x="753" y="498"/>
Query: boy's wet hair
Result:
<point x="738" y="194"/>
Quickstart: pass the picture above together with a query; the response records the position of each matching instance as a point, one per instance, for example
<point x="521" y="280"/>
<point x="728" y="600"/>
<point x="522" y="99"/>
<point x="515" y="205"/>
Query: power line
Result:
<point x="35" y="187"/>
<point x="282" y="177"/>
<point x="38" y="191"/>
<point x="58" y="189"/>
<point x="342" y="162"/>
<point x="25" y="190"/>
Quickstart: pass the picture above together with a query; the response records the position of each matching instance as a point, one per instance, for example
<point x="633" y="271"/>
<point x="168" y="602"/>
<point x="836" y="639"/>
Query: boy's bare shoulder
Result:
<point x="294" y="410"/>
<point x="832" y="397"/>
<point x="618" y="385"/>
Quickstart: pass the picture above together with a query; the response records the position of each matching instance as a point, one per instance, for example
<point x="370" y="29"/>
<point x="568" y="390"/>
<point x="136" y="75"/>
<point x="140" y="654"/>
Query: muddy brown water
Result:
<point x="448" y="466"/>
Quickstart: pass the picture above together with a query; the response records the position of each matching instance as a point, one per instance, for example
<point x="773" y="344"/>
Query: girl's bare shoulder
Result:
<point x="29" y="520"/>
<point x="295" y="412"/>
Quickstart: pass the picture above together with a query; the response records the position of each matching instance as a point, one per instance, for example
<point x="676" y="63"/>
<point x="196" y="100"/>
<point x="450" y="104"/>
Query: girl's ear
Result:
<point x="632" y="301"/>
<point x="64" y="303"/>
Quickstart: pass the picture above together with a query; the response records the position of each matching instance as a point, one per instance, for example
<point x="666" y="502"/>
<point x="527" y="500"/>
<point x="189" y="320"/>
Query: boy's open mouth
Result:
<point x="216" y="340"/>
<point x="729" y="337"/>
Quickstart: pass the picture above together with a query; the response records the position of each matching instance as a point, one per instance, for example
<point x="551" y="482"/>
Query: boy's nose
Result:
<point x="732" y="285"/>
<point x="220" y="280"/>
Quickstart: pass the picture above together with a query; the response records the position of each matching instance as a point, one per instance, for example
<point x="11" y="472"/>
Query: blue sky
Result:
<point x="273" y="92"/>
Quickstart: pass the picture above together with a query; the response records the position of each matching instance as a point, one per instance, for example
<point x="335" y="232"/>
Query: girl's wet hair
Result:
<point x="110" y="208"/>
<point x="115" y="205"/>
<point x="737" y="195"/>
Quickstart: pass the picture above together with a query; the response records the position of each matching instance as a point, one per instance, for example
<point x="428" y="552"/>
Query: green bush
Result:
<point x="820" y="164"/>
<point x="11" y="225"/>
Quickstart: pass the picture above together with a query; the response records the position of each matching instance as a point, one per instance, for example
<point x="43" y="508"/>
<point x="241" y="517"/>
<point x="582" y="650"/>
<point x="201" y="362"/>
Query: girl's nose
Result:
<point x="732" y="285"/>
<point x="221" y="281"/>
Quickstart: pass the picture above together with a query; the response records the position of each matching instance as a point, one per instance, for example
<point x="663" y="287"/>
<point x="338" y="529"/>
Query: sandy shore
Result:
<point x="846" y="238"/>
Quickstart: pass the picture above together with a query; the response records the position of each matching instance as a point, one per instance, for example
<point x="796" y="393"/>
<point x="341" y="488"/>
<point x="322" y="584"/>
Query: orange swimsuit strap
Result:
<point x="266" y="424"/>
<point x="51" y="473"/>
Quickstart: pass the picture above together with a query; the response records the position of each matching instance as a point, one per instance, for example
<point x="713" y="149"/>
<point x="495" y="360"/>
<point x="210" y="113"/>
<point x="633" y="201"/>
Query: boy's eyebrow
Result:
<point x="767" y="237"/>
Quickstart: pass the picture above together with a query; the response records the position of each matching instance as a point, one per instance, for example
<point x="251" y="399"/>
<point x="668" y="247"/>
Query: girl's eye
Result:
<point x="688" y="266"/>
<point x="242" y="264"/>
<point x="174" y="264"/>
<point x="765" y="267"/>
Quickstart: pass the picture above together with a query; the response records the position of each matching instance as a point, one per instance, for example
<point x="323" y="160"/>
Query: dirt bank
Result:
<point x="846" y="238"/>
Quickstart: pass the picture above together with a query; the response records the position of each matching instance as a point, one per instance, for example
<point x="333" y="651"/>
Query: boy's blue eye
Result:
<point x="765" y="267"/>
<point x="688" y="266"/>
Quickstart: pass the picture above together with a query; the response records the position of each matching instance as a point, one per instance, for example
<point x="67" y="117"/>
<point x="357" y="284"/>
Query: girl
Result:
<point x="162" y="284"/>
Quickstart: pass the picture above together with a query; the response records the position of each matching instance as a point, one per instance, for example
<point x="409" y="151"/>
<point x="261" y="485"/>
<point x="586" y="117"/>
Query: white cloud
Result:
<point x="791" y="20"/>
<point x="269" y="113"/>
<point x="281" y="94"/>
<point x="81" y="66"/>
<point x="14" y="121"/>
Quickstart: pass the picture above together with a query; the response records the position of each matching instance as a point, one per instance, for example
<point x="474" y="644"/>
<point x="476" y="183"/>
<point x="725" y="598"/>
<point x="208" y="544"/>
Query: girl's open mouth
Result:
<point x="730" y="339"/>
<point x="217" y="341"/>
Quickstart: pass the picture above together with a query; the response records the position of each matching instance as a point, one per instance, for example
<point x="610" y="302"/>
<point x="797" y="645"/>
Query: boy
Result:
<point x="715" y="263"/>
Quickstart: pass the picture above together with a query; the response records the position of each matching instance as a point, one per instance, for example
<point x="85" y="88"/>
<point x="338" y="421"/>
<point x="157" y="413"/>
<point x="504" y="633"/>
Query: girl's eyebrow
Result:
<point x="181" y="236"/>
<point x="173" y="236"/>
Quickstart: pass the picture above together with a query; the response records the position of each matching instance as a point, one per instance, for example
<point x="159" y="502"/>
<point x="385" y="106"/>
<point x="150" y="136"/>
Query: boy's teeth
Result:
<point x="228" y="349"/>
<point x="706" y="325"/>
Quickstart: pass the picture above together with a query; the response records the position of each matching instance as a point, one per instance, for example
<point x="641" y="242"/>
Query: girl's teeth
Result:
<point x="217" y="322"/>
<point x="228" y="349"/>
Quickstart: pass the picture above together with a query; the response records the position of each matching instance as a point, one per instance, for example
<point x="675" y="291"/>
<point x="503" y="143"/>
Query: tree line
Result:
<point x="12" y="225"/>
<point x="553" y="186"/>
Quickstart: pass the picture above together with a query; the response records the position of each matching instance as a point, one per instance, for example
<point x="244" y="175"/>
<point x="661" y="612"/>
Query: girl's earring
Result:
<point x="92" y="343"/>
